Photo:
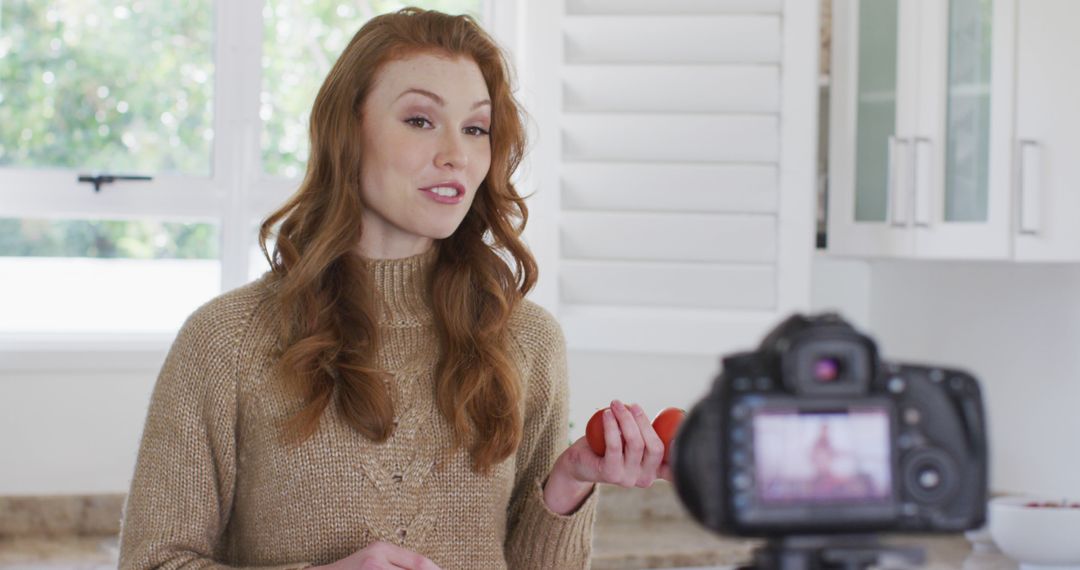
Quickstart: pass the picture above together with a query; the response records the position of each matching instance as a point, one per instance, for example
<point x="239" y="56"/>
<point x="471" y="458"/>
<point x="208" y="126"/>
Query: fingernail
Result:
<point x="637" y="410"/>
<point x="616" y="404"/>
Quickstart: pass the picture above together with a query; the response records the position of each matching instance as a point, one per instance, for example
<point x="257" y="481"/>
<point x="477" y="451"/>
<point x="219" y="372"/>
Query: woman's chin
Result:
<point x="442" y="231"/>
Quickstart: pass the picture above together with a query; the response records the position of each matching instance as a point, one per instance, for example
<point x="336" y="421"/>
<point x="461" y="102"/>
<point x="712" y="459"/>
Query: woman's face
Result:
<point x="426" y="150"/>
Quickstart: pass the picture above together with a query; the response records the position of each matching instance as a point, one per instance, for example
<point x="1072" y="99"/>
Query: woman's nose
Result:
<point x="451" y="152"/>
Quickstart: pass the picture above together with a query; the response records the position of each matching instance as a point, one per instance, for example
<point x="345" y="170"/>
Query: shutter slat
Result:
<point x="672" y="39"/>
<point x="669" y="173"/>
<point x="708" y="286"/>
<point x="669" y="187"/>
<point x="668" y="237"/>
<point x="666" y="329"/>
<point x="670" y="138"/>
<point x="577" y="7"/>
<point x="672" y="88"/>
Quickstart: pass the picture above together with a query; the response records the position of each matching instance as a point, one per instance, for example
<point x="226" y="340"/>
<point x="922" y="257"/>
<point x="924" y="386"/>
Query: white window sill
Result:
<point x="83" y="353"/>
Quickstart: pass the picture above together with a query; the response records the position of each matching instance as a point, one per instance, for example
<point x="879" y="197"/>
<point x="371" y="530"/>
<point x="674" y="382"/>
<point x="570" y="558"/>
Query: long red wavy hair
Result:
<point x="327" y="297"/>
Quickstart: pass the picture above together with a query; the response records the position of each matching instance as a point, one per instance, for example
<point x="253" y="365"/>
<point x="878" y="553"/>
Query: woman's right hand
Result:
<point x="382" y="556"/>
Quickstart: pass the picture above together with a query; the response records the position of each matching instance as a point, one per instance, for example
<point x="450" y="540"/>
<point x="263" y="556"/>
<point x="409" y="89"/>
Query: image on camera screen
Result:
<point x="819" y="458"/>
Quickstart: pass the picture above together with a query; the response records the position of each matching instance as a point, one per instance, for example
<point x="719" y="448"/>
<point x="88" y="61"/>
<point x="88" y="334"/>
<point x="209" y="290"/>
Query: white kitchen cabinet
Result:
<point x="1047" y="142"/>
<point x="924" y="158"/>
<point x="871" y="94"/>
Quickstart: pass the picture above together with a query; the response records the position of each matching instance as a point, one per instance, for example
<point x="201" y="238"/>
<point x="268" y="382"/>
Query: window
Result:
<point x="301" y="41"/>
<point x="211" y="128"/>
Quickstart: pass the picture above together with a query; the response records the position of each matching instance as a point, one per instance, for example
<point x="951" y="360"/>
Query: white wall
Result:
<point x="657" y="381"/>
<point x="1017" y="327"/>
<point x="70" y="433"/>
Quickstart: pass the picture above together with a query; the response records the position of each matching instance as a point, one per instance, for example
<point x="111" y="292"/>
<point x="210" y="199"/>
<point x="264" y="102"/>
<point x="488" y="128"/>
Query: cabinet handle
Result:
<point x="921" y="174"/>
<point x="1030" y="191"/>
<point x="897" y="184"/>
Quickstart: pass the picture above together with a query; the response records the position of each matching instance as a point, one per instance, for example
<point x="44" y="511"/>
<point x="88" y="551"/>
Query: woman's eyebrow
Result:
<point x="438" y="99"/>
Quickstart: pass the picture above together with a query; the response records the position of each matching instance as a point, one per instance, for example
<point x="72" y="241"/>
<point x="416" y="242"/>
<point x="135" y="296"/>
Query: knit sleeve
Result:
<point x="182" y="490"/>
<point x="536" y="536"/>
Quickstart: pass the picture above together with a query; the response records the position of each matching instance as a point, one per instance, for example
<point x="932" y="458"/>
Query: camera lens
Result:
<point x="826" y="369"/>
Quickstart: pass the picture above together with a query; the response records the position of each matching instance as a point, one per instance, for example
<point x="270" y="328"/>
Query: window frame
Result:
<point x="237" y="194"/>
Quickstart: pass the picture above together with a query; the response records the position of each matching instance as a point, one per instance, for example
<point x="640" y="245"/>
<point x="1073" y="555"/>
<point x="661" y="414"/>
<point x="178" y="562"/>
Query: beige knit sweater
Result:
<point x="214" y="488"/>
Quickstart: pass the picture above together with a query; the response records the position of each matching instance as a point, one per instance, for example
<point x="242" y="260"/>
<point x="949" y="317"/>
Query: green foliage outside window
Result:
<point x="137" y="239"/>
<point x="107" y="86"/>
<point x="301" y="42"/>
<point x="127" y="87"/>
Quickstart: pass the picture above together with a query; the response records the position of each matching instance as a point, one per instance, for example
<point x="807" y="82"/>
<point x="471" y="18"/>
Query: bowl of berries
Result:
<point x="1039" y="533"/>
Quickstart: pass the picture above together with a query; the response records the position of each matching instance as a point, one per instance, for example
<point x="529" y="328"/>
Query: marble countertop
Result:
<point x="683" y="544"/>
<point x="623" y="546"/>
<point x="635" y="529"/>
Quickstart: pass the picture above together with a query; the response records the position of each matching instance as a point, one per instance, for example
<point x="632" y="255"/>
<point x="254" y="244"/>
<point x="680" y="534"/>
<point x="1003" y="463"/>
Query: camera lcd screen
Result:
<point x="834" y="457"/>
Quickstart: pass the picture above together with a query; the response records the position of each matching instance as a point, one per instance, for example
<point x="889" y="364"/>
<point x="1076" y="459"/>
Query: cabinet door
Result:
<point x="961" y="167"/>
<point x="872" y="113"/>
<point x="1047" y="145"/>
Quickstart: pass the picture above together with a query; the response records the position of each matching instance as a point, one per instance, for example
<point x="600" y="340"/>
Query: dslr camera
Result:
<point x="813" y="434"/>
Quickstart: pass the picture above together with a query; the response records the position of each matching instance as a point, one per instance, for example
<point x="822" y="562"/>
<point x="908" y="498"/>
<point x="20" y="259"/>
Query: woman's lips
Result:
<point x="446" y="193"/>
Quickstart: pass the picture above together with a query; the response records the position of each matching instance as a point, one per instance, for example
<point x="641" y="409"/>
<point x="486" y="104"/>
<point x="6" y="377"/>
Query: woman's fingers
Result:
<point x="406" y="558"/>
<point x="613" y="439"/>
<point x="666" y="473"/>
<point x="632" y="449"/>
<point x="634" y="446"/>
<point x="631" y="434"/>
<point x="654" y="448"/>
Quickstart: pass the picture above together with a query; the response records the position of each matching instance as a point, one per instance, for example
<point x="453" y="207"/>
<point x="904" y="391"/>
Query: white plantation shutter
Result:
<point x="680" y="138"/>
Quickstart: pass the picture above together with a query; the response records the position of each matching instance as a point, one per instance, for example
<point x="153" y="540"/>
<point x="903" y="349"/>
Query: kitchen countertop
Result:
<point x="682" y="544"/>
<point x="635" y="529"/>
<point x="624" y="546"/>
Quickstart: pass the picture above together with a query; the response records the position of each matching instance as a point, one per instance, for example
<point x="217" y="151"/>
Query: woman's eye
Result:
<point x="417" y="121"/>
<point x="477" y="131"/>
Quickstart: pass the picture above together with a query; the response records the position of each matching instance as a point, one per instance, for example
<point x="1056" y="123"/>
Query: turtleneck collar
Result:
<point x="402" y="287"/>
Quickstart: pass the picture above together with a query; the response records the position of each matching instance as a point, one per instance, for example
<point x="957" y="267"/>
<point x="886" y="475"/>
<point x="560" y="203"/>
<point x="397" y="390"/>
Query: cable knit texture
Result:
<point x="214" y="487"/>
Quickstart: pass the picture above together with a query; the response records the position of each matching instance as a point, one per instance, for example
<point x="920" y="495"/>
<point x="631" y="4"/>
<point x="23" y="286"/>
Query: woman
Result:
<point x="385" y="397"/>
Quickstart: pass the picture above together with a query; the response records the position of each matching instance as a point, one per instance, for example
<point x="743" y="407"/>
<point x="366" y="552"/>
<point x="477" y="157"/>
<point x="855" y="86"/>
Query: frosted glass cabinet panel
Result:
<point x="967" y="150"/>
<point x="876" y="112"/>
<point x="872" y="99"/>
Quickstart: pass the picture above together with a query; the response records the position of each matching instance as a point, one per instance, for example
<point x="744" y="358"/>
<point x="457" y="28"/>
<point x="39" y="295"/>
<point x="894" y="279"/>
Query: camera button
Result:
<point x="742" y="384"/>
<point x="742" y="481"/>
<point x="929" y="478"/>
<point x="937" y="375"/>
<point x="912" y="416"/>
<point x="896" y="385"/>
<point x="763" y="384"/>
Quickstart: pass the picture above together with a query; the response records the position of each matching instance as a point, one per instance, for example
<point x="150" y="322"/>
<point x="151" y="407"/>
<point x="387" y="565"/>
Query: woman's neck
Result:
<point x="403" y="287"/>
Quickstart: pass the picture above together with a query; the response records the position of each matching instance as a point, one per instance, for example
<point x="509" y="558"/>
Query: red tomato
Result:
<point x="594" y="432"/>
<point x="666" y="425"/>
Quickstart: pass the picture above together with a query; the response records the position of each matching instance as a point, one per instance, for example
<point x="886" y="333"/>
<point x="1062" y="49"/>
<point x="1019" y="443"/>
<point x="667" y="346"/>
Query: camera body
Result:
<point x="813" y="434"/>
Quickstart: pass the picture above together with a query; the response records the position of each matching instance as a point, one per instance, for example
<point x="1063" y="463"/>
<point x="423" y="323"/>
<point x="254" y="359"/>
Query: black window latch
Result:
<point x="100" y="179"/>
